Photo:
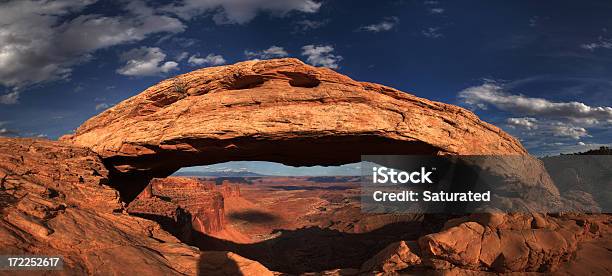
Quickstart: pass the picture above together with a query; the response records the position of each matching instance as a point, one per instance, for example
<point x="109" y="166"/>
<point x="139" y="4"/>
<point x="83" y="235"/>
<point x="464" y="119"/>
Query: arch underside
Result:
<point x="130" y="174"/>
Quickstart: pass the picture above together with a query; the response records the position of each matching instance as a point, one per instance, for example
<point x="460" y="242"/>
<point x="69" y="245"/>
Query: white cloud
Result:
<point x="42" y="40"/>
<point x="492" y="93"/>
<point x="146" y="61"/>
<point x="102" y="106"/>
<point x="544" y="126"/>
<point x="526" y="122"/>
<point x="601" y="42"/>
<point x="559" y="129"/>
<point x="181" y="56"/>
<point x="386" y="25"/>
<point x="432" y="32"/>
<point x="430" y="2"/>
<point x="4" y="131"/>
<point x="436" y="11"/>
<point x="547" y="128"/>
<point x="7" y="132"/>
<point x="10" y="98"/>
<point x="272" y="52"/>
<point x="321" y="56"/>
<point x="210" y="59"/>
<point x="239" y="11"/>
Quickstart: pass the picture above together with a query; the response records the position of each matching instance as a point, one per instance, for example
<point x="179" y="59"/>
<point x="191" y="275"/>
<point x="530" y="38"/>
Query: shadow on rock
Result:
<point x="313" y="248"/>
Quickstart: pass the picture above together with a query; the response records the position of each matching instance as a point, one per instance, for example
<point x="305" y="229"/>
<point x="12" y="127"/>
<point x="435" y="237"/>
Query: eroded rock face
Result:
<point x="175" y="199"/>
<point x="228" y="189"/>
<point x="169" y="215"/>
<point x="276" y="110"/>
<point x="396" y="256"/>
<point x="506" y="242"/>
<point x="55" y="200"/>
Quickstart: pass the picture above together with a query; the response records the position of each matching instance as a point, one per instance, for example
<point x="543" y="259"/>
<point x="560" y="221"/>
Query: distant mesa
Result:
<point x="218" y="173"/>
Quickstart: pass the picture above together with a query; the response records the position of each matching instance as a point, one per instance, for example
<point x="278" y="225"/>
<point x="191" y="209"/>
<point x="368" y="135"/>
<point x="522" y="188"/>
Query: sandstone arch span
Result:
<point x="278" y="110"/>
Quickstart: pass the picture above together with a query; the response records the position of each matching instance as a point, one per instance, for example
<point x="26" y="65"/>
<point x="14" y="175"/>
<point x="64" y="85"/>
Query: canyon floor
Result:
<point x="292" y="224"/>
<point x="305" y="225"/>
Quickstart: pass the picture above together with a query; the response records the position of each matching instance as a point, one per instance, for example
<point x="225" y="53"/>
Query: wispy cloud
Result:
<point x="386" y="24"/>
<point x="210" y="59"/>
<point x="432" y="32"/>
<point x="41" y="42"/>
<point x="4" y="131"/>
<point x="272" y="52"/>
<point x="543" y="125"/>
<point x="525" y="122"/>
<point x="146" y="61"/>
<point x="321" y="55"/>
<point x="10" y="98"/>
<point x="436" y="10"/>
<point x="239" y="11"/>
<point x="492" y="93"/>
<point x="102" y="106"/>
<point x="605" y="43"/>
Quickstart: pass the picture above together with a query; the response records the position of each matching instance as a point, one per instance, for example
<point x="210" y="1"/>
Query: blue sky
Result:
<point x="541" y="70"/>
<point x="277" y="169"/>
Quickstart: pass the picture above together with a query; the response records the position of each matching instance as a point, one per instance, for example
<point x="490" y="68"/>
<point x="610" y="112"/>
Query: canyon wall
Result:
<point x="202" y="201"/>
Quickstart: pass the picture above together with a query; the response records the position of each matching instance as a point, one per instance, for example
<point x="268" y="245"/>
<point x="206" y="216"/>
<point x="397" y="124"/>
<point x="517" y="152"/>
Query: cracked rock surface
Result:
<point x="55" y="200"/>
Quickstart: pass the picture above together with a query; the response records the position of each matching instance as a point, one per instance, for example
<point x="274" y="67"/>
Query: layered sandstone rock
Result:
<point x="277" y="110"/>
<point x="202" y="201"/>
<point x="169" y="215"/>
<point x="55" y="200"/>
<point x="228" y="189"/>
<point x="506" y="242"/>
<point x="396" y="256"/>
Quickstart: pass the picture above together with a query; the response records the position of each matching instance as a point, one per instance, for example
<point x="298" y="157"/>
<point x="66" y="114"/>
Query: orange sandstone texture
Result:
<point x="277" y="110"/>
<point x="55" y="200"/>
<point x="202" y="202"/>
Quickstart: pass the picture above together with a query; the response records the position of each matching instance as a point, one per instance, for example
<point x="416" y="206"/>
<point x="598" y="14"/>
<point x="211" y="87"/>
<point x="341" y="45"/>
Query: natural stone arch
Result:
<point x="275" y="110"/>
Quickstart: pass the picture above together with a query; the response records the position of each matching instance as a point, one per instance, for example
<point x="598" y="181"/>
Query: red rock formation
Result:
<point x="209" y="214"/>
<point x="198" y="198"/>
<point x="505" y="242"/>
<point x="228" y="189"/>
<point x="276" y="110"/>
<point x="54" y="200"/>
<point x="169" y="215"/>
<point x="396" y="256"/>
<point x="147" y="192"/>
